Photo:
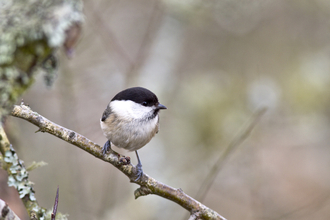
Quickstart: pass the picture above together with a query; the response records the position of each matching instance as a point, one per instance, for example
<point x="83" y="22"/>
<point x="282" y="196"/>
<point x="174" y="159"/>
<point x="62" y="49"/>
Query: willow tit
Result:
<point x="131" y="120"/>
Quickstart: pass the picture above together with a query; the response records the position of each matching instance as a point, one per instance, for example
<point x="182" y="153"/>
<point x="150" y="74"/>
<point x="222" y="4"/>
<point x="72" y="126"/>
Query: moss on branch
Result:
<point x="30" y="32"/>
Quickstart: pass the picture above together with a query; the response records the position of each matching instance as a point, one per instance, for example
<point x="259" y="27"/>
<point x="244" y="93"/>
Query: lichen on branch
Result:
<point x="18" y="177"/>
<point x="30" y="32"/>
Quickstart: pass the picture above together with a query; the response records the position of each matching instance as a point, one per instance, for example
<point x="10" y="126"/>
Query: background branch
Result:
<point x="233" y="145"/>
<point x="148" y="185"/>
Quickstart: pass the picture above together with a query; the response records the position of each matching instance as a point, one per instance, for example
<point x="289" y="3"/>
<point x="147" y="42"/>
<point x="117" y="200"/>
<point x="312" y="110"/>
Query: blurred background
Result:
<point x="213" y="64"/>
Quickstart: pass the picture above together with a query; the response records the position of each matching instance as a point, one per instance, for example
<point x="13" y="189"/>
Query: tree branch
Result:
<point x="148" y="185"/>
<point x="18" y="177"/>
<point x="17" y="174"/>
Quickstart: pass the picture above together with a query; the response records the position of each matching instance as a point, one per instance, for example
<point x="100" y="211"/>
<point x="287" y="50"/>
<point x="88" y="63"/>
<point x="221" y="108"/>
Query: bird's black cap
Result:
<point x="139" y="95"/>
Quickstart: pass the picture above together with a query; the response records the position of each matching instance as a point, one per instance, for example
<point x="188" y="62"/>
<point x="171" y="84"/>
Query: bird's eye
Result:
<point x="144" y="103"/>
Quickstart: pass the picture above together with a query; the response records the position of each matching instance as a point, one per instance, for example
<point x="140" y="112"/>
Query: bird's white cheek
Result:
<point x="139" y="111"/>
<point x="129" y="110"/>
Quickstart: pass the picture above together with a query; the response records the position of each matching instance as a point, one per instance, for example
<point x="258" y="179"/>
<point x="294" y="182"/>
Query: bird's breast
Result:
<point x="130" y="135"/>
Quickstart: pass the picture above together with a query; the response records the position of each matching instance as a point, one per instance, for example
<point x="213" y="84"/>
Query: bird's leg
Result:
<point x="106" y="147"/>
<point x="138" y="167"/>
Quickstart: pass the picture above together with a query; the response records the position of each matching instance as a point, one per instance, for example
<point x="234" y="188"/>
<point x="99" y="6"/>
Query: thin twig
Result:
<point x="148" y="38"/>
<point x="107" y="34"/>
<point x="55" y="205"/>
<point x="148" y="185"/>
<point x="233" y="145"/>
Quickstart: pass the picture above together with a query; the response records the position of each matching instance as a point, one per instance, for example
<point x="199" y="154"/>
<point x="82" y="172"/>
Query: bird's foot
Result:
<point x="106" y="147"/>
<point x="139" y="171"/>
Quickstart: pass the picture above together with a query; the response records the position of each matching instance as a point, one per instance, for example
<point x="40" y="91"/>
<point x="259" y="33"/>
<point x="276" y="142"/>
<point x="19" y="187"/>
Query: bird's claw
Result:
<point x="106" y="147"/>
<point x="139" y="171"/>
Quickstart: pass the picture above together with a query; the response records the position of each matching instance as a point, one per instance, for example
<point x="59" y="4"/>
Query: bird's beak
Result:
<point x="160" y="106"/>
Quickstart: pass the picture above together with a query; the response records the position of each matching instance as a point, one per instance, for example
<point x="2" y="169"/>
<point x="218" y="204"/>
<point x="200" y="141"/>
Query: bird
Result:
<point x="130" y="121"/>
